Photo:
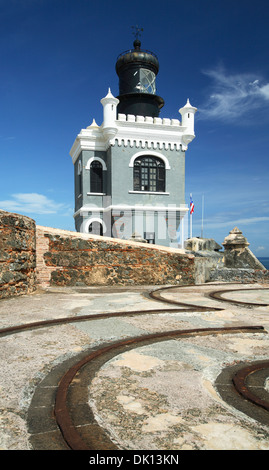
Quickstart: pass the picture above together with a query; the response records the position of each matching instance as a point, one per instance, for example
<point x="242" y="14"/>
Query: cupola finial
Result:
<point x="137" y="31"/>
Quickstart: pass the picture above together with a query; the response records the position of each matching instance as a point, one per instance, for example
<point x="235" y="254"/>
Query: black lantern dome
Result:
<point x="137" y="70"/>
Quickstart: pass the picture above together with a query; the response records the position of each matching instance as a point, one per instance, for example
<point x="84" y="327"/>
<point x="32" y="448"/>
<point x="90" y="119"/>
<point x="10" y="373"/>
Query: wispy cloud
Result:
<point x="31" y="203"/>
<point x="214" y="222"/>
<point x="233" y="95"/>
<point x="12" y="137"/>
<point x="260" y="248"/>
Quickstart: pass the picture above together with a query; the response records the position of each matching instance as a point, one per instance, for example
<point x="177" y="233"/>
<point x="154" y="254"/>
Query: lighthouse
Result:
<point x="137" y="71"/>
<point x="129" y="170"/>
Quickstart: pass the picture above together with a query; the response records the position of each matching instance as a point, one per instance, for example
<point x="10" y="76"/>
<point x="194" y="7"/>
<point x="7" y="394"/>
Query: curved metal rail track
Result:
<point x="63" y="407"/>
<point x="241" y="383"/>
<point x="156" y="295"/>
<point x="65" y="411"/>
<point x="218" y="295"/>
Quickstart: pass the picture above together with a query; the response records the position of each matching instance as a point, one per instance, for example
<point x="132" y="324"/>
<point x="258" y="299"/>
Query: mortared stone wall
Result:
<point x="33" y="256"/>
<point x="71" y="259"/>
<point x="17" y="254"/>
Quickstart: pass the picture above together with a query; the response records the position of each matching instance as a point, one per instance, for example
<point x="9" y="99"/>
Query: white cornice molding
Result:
<point x="150" y="136"/>
<point x="134" y="131"/>
<point x="142" y="131"/>
<point x="125" y="207"/>
<point x="91" y="138"/>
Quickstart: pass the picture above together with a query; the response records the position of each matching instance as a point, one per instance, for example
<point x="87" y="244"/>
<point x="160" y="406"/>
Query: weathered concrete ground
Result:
<point x="160" y="396"/>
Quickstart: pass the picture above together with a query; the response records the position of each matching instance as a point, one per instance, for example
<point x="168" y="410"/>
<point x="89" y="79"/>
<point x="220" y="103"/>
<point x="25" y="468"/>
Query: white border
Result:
<point x="92" y="159"/>
<point x="90" y="221"/>
<point x="149" y="153"/>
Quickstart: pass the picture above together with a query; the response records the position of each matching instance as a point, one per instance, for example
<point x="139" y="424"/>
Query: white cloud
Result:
<point x="232" y="96"/>
<point x="265" y="91"/>
<point x="31" y="203"/>
<point x="234" y="223"/>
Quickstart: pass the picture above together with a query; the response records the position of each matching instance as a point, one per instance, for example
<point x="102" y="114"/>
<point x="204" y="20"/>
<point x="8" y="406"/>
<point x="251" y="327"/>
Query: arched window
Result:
<point x="96" y="177"/>
<point x="149" y="174"/>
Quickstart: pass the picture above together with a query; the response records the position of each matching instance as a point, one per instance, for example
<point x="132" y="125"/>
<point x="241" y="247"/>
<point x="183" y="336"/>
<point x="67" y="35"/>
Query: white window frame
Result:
<point x="98" y="159"/>
<point x="149" y="153"/>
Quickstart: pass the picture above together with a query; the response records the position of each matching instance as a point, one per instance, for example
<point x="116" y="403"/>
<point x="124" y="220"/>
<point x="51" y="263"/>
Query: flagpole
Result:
<point x="191" y="212"/>
<point x="191" y="225"/>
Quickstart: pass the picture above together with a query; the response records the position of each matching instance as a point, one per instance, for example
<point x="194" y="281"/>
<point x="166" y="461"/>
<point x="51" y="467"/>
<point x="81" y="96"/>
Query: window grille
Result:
<point x="149" y="174"/>
<point x="96" y="177"/>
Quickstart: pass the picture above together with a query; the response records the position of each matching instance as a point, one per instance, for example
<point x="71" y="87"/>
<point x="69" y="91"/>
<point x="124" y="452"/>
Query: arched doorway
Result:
<point x="95" y="228"/>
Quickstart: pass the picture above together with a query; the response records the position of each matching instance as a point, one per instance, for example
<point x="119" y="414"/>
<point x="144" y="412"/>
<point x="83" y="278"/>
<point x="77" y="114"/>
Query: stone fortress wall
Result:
<point x="17" y="254"/>
<point x="72" y="259"/>
<point x="33" y="256"/>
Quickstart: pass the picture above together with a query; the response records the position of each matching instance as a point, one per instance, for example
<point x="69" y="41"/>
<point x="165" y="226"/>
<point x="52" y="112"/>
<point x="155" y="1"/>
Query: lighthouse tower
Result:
<point x="129" y="171"/>
<point x="137" y="71"/>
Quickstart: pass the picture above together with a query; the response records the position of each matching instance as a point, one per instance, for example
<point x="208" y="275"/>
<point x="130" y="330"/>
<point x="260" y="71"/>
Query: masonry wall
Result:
<point x="242" y="275"/>
<point x="69" y="258"/>
<point x="32" y="256"/>
<point x="17" y="254"/>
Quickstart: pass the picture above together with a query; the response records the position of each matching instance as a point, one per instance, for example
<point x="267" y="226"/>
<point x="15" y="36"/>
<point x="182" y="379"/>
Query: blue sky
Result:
<point x="58" y="60"/>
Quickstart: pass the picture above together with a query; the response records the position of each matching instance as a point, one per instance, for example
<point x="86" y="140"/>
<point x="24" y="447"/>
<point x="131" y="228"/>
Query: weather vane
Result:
<point x="137" y="31"/>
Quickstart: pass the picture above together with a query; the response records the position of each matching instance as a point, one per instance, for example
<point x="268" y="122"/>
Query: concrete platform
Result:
<point x="165" y="393"/>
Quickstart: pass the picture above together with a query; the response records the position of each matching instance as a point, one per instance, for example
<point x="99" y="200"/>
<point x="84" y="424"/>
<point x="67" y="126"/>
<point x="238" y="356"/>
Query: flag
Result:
<point x="191" y="205"/>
